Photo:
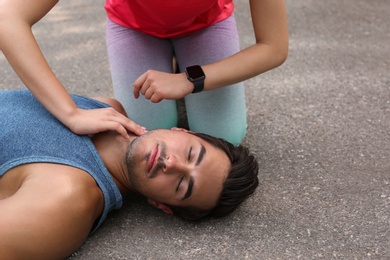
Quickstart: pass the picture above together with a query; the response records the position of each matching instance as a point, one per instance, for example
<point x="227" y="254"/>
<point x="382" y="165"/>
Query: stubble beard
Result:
<point x="131" y="163"/>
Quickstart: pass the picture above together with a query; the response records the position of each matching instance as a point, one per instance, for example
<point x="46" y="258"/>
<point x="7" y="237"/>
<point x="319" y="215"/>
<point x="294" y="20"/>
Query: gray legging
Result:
<point x="220" y="112"/>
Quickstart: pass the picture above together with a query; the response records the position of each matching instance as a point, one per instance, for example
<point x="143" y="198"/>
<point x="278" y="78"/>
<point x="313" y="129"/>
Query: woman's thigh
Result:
<point x="220" y="112"/>
<point x="130" y="54"/>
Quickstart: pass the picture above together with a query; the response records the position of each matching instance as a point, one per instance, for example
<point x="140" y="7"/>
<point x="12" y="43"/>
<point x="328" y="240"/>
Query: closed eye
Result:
<point x="189" y="154"/>
<point x="178" y="185"/>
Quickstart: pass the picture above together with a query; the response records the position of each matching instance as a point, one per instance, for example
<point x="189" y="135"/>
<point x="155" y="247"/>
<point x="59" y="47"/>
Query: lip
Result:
<point x="152" y="162"/>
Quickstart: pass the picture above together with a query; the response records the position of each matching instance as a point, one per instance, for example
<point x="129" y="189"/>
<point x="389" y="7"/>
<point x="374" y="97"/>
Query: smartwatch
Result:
<point x="196" y="75"/>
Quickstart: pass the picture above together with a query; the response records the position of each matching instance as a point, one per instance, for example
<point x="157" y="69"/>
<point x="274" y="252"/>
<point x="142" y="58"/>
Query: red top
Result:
<point x="168" y="18"/>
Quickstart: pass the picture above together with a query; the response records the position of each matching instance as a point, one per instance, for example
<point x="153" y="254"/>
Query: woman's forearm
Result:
<point x="269" y="51"/>
<point x="22" y="51"/>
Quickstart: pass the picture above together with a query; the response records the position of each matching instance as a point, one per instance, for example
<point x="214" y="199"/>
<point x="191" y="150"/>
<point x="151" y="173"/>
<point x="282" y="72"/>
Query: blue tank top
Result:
<point x="30" y="134"/>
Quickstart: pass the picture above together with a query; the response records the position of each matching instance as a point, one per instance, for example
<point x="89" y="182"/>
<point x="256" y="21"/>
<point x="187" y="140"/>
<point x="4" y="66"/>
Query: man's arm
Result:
<point x="51" y="214"/>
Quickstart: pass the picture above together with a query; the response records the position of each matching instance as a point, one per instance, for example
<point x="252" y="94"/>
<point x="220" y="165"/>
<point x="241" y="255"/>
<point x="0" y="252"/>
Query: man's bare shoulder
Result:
<point x="49" y="178"/>
<point x="59" y="204"/>
<point x="112" y="102"/>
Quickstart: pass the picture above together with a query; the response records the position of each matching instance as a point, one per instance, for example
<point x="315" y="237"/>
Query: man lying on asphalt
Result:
<point x="57" y="187"/>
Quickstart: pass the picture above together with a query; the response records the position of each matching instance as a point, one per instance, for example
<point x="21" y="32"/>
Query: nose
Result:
<point x="173" y="164"/>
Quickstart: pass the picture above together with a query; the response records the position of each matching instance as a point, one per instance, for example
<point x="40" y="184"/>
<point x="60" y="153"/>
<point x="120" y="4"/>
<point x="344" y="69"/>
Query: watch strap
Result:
<point x="198" y="86"/>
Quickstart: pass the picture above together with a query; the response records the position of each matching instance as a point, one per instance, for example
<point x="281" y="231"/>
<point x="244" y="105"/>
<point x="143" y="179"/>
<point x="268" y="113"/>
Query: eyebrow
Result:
<point x="189" y="189"/>
<point x="191" y="182"/>
<point x="200" y="156"/>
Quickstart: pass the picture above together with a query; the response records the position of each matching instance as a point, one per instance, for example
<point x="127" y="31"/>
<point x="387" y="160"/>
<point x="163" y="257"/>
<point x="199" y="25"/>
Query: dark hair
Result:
<point x="240" y="184"/>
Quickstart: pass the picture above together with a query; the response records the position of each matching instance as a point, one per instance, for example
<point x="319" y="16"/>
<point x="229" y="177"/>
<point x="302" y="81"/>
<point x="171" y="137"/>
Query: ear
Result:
<point x="181" y="129"/>
<point x="160" y="206"/>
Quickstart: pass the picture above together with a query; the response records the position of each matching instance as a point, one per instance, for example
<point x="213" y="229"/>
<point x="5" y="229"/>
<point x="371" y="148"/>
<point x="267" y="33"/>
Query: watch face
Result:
<point x="195" y="72"/>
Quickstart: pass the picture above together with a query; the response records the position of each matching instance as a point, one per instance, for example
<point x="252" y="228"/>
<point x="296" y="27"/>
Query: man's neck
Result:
<point x="112" y="149"/>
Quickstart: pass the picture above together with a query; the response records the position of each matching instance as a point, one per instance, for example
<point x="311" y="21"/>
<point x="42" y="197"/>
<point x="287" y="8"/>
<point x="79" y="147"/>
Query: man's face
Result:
<point x="177" y="168"/>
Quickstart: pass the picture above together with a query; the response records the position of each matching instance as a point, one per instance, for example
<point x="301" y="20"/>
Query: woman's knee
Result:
<point x="220" y="113"/>
<point x="152" y="115"/>
<point x="231" y="132"/>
